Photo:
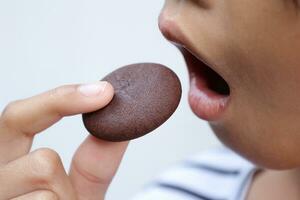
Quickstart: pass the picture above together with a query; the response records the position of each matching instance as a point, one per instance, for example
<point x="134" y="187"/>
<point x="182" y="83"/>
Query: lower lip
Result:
<point x="205" y="103"/>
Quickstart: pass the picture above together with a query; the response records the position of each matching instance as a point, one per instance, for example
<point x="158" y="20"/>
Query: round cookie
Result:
<point x="146" y="95"/>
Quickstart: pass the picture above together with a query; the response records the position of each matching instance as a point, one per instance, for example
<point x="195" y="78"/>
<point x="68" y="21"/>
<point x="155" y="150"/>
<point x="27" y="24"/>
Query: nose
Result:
<point x="177" y="16"/>
<point x="170" y="21"/>
<point x="168" y="27"/>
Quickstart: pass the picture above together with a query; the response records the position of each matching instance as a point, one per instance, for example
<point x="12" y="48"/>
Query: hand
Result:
<point x="40" y="174"/>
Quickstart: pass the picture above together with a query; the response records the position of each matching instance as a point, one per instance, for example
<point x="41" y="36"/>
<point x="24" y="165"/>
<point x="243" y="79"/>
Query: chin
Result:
<point x="261" y="153"/>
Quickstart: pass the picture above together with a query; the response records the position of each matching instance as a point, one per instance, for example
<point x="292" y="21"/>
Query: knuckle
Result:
<point x="10" y="113"/>
<point x="55" y="92"/>
<point x="61" y="91"/>
<point x="47" y="164"/>
<point x="105" y="178"/>
<point x="63" y="95"/>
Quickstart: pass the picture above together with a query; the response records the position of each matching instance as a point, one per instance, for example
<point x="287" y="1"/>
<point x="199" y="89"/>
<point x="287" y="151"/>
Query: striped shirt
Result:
<point x="217" y="174"/>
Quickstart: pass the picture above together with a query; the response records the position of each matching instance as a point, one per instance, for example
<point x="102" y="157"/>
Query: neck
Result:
<point x="276" y="185"/>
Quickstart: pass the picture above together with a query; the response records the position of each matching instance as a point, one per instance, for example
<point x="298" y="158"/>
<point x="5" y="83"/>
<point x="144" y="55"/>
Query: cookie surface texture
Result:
<point x="146" y="95"/>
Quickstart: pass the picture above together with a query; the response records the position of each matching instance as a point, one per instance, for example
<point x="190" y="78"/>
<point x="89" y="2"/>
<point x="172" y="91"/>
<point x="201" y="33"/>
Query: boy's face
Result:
<point x="254" y="46"/>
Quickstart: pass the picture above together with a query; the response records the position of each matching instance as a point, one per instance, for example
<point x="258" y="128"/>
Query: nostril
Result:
<point x="165" y="24"/>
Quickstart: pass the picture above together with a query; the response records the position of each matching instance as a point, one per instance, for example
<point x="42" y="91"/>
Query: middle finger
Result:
<point x="40" y="170"/>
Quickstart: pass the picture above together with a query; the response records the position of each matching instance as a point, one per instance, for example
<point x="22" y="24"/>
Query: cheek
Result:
<point x="263" y="44"/>
<point x="263" y="120"/>
<point x="256" y="49"/>
<point x="267" y="76"/>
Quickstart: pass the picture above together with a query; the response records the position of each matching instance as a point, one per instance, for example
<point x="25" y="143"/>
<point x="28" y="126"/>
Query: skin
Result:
<point x="255" y="46"/>
<point x="40" y="174"/>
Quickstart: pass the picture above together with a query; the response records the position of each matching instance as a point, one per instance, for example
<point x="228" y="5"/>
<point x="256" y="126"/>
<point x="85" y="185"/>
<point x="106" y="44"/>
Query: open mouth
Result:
<point x="209" y="92"/>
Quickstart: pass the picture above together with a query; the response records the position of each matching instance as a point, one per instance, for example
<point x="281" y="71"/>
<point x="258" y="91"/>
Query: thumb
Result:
<point x="94" y="166"/>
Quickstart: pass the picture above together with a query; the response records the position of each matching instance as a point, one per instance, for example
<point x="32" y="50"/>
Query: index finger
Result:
<point x="22" y="119"/>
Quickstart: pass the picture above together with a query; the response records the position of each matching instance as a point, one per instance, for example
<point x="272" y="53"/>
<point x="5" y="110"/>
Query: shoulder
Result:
<point x="217" y="173"/>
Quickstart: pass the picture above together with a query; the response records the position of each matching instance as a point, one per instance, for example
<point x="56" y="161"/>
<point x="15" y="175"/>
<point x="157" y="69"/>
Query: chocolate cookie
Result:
<point x="146" y="95"/>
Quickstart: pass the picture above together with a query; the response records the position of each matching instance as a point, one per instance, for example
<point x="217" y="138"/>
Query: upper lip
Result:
<point x="175" y="34"/>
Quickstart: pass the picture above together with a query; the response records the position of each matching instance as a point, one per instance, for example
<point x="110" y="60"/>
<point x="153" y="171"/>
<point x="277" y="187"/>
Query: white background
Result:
<point x="46" y="43"/>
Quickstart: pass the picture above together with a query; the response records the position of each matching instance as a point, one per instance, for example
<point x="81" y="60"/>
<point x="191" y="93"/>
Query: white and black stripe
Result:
<point x="186" y="191"/>
<point x="218" y="174"/>
<point x="212" y="169"/>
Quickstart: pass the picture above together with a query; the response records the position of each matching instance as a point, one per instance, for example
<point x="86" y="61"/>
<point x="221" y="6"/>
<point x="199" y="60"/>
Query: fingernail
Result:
<point x="92" y="89"/>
